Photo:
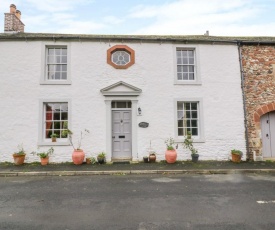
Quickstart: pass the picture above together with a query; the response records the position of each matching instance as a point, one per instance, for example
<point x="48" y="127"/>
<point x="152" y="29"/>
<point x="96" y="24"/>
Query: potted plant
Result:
<point x="188" y="144"/>
<point x="152" y="157"/>
<point x="101" y="158"/>
<point x="236" y="155"/>
<point x="90" y="160"/>
<point x="44" y="156"/>
<point x="170" y="154"/>
<point x="145" y="159"/>
<point x="78" y="154"/>
<point x="19" y="156"/>
<point x="54" y="136"/>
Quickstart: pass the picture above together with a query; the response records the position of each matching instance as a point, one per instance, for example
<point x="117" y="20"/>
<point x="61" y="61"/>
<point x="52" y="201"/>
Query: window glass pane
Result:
<point x="64" y="107"/>
<point x="191" y="61"/>
<point x="179" y="69"/>
<point x="184" y="61"/>
<point x="180" y="123"/>
<point x="57" y="51"/>
<point x="194" y="123"/>
<point x="56" y="125"/>
<point x="58" y="68"/>
<point x="180" y="106"/>
<point x="188" y="123"/>
<point x="56" y="116"/>
<point x="64" y="51"/>
<point x="179" y="76"/>
<point x="64" y="59"/>
<point x="51" y="59"/>
<point x="57" y="75"/>
<point x="187" y="106"/>
<point x="64" y="116"/>
<point x="194" y="106"/>
<point x="48" y="133"/>
<point x="178" y="53"/>
<point x="129" y="104"/>
<point x="180" y="132"/>
<point x="185" y="76"/>
<point x="64" y="68"/>
<point x="185" y="69"/>
<point x="191" y="69"/>
<point x="190" y="53"/>
<point x="121" y="104"/>
<point x="194" y="114"/>
<point x="194" y="131"/>
<point x="184" y="53"/>
<point x="191" y="76"/>
<point x="180" y="115"/>
<point x="179" y="61"/>
<point x="113" y="104"/>
<point x="188" y="114"/>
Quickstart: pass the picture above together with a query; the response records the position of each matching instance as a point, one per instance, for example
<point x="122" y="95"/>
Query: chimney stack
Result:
<point x="13" y="23"/>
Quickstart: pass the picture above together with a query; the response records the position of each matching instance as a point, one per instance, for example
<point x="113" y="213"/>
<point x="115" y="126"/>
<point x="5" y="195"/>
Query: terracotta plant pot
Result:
<point x="18" y="159"/>
<point x="170" y="156"/>
<point x="236" y="158"/>
<point x="152" y="158"/>
<point x="88" y="161"/>
<point x="78" y="156"/>
<point x="44" y="161"/>
<point x="53" y="139"/>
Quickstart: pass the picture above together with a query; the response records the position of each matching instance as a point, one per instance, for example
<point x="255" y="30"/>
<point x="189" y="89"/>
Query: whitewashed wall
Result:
<point x="153" y="72"/>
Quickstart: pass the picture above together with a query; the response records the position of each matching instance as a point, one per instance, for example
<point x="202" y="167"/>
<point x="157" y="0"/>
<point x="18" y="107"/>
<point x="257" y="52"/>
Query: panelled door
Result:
<point x="121" y="134"/>
<point x="268" y="134"/>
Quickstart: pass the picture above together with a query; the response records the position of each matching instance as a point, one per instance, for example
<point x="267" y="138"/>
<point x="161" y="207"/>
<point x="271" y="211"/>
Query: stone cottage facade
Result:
<point x="130" y="92"/>
<point x="258" y="61"/>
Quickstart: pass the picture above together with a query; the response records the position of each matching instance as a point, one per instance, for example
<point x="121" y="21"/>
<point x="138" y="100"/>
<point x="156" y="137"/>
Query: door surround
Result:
<point x="121" y="91"/>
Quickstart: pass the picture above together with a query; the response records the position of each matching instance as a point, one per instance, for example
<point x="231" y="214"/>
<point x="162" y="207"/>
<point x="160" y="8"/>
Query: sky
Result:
<point x="146" y="17"/>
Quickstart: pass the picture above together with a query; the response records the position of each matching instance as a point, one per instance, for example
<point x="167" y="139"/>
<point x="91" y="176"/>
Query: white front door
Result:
<point x="121" y="134"/>
<point x="268" y="134"/>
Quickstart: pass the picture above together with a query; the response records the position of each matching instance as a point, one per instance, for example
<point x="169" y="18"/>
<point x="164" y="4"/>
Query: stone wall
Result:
<point x="259" y="87"/>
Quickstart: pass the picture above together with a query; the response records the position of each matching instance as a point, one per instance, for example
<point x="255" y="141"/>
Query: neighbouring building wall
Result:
<point x="259" y="87"/>
<point x="21" y="63"/>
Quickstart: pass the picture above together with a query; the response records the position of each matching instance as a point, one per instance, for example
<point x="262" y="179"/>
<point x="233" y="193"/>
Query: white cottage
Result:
<point x="128" y="91"/>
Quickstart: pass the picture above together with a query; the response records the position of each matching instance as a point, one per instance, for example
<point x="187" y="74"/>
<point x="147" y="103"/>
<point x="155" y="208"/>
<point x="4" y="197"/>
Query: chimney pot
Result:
<point x="18" y="14"/>
<point x="12" y="9"/>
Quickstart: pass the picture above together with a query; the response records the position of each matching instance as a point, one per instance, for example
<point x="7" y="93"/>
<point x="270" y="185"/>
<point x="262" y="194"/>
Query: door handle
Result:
<point x="266" y="135"/>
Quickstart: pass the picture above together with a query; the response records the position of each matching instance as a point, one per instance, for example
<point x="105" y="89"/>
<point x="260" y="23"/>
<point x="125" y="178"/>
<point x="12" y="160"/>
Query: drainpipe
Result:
<point x="244" y="103"/>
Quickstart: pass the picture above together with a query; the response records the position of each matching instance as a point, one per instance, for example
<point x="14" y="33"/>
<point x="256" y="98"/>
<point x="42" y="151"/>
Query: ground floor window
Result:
<point x="55" y="119"/>
<point x="188" y="118"/>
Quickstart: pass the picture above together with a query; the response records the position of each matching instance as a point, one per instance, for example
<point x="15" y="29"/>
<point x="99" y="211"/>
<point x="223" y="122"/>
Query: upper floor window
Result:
<point x="186" y="64"/>
<point x="120" y="56"/>
<point x="56" y="63"/>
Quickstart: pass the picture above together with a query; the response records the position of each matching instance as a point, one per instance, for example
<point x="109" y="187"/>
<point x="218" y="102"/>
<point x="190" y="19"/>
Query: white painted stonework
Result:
<point x="219" y="91"/>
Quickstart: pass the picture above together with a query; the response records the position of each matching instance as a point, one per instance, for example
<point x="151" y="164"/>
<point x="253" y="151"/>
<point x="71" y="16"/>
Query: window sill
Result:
<point x="187" y="83"/>
<point x="54" y="143"/>
<point x="198" y="140"/>
<point x="57" y="82"/>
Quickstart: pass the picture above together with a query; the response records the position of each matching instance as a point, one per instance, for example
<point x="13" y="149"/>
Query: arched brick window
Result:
<point x="120" y="56"/>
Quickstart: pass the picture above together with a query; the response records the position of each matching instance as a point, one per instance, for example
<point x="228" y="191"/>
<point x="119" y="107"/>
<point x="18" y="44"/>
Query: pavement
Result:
<point x="180" y="167"/>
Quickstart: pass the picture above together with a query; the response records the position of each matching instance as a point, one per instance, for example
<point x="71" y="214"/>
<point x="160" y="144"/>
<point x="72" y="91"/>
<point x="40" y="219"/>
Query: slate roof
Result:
<point x="136" y="38"/>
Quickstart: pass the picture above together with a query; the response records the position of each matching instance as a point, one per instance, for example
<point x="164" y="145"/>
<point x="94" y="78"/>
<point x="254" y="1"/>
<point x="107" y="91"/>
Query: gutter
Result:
<point x="244" y="103"/>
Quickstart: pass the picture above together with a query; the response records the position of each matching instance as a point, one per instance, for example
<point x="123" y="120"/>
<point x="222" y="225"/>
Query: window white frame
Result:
<point x="197" y="77"/>
<point x="200" y="137"/>
<point x="44" y="75"/>
<point x="47" y="141"/>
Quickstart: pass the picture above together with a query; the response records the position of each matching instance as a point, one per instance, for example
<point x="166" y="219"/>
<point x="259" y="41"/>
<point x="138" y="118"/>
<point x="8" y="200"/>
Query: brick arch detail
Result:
<point x="263" y="110"/>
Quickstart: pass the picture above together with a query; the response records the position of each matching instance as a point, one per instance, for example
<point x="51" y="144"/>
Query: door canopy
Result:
<point x="121" y="89"/>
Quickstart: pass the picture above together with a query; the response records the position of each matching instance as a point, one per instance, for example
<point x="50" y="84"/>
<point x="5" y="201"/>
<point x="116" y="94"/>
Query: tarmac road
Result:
<point x="205" y="202"/>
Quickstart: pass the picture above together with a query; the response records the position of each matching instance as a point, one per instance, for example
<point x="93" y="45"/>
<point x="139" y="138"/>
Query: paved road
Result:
<point x="207" y="202"/>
